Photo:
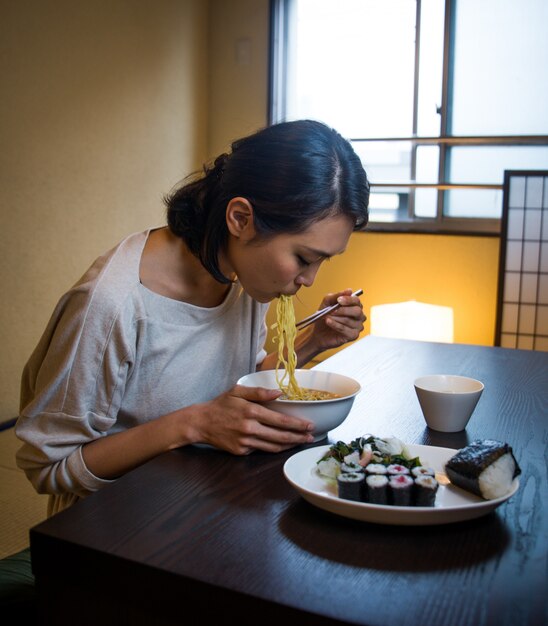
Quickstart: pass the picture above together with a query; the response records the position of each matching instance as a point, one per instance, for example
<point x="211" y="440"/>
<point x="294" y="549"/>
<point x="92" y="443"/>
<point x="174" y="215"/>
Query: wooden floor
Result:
<point x="20" y="506"/>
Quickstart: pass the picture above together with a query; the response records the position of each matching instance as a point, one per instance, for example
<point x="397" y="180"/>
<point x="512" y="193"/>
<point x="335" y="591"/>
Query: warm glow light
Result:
<point x="413" y="320"/>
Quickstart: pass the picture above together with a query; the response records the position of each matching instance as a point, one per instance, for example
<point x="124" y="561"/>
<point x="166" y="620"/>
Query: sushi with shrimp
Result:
<point x="377" y="471"/>
<point x="484" y="467"/>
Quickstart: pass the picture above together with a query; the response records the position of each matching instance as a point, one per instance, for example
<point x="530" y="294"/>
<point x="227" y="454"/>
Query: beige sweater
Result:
<point x="115" y="355"/>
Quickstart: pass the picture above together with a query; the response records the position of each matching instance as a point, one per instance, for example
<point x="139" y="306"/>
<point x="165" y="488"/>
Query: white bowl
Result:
<point x="448" y="401"/>
<point x="325" y="414"/>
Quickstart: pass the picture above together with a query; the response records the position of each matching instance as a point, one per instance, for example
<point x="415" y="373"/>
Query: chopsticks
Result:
<point x="321" y="313"/>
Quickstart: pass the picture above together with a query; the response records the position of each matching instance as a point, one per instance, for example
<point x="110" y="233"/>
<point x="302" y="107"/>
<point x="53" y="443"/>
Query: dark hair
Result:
<point x="292" y="173"/>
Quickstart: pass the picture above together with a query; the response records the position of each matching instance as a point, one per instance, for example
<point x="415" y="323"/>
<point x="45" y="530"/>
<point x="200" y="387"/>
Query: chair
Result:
<point x="17" y="591"/>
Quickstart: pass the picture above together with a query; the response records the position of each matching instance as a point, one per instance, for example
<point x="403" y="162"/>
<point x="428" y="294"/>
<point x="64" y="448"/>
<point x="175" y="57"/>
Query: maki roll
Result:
<point x="375" y="468"/>
<point x="376" y="489"/>
<point x="401" y="489"/>
<point x="351" y="485"/>
<point x="395" y="469"/>
<point x="485" y="467"/>
<point x="425" y="490"/>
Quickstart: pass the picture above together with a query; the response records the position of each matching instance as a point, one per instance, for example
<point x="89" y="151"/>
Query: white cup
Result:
<point x="448" y="401"/>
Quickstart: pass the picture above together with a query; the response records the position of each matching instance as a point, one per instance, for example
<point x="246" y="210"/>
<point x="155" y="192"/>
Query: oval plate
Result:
<point x="453" y="504"/>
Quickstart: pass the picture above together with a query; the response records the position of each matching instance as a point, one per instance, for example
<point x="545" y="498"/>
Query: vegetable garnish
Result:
<point x="371" y="449"/>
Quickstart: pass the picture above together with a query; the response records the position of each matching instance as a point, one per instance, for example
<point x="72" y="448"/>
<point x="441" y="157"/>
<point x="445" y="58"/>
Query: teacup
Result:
<point x="448" y="401"/>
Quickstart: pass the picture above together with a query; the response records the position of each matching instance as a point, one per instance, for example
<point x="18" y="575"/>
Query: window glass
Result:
<point x="486" y="165"/>
<point x="353" y="65"/>
<point x="385" y="160"/>
<point x="427" y="167"/>
<point x="473" y="203"/>
<point x="430" y="67"/>
<point x="392" y="75"/>
<point x="500" y="61"/>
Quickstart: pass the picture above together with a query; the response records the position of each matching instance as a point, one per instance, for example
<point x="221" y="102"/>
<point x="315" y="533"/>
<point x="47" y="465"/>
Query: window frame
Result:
<point x="406" y="221"/>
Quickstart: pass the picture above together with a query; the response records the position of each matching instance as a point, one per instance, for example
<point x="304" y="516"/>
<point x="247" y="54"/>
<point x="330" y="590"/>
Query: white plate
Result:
<point x="452" y="503"/>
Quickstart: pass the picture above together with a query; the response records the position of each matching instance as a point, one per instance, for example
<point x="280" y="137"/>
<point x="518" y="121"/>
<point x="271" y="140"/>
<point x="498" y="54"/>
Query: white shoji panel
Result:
<point x="522" y="315"/>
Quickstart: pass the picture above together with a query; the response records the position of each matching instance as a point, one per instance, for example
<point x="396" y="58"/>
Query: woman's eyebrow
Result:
<point x="321" y="253"/>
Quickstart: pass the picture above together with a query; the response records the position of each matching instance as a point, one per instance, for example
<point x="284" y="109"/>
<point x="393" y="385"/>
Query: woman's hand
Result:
<point x="236" y="421"/>
<point x="342" y="325"/>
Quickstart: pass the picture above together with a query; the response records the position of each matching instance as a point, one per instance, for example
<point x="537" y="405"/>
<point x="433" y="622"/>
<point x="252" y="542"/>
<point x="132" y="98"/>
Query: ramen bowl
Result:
<point x="324" y="414"/>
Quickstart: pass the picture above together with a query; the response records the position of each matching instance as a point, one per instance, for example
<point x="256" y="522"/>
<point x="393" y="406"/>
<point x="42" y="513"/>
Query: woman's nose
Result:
<point x="306" y="278"/>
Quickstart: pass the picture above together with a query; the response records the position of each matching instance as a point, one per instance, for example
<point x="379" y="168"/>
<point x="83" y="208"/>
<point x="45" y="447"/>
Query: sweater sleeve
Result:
<point x="72" y="388"/>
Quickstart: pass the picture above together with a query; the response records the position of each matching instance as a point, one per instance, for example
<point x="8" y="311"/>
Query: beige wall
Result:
<point x="238" y="74"/>
<point x="108" y="103"/>
<point x="103" y="109"/>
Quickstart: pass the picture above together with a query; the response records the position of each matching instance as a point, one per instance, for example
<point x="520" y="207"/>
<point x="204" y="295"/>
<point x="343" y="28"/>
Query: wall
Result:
<point x="460" y="272"/>
<point x="103" y="110"/>
<point x="238" y="70"/>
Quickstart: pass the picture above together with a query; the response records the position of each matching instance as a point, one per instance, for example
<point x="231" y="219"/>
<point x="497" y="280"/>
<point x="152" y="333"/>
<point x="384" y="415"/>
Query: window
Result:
<point x="439" y="98"/>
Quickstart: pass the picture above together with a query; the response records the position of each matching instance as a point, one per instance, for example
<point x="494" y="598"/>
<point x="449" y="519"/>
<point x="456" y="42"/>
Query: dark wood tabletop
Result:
<point x="197" y="536"/>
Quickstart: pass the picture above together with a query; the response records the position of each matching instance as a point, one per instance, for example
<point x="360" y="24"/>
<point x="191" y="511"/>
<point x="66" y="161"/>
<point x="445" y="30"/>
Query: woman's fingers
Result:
<point x="255" y="394"/>
<point x="254" y="411"/>
<point x="277" y="432"/>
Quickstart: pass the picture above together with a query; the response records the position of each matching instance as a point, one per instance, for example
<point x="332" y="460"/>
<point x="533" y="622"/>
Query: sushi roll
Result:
<point x="425" y="489"/>
<point x="375" y="468"/>
<point x="401" y="490"/>
<point x="485" y="467"/>
<point x="351" y="467"/>
<point x="376" y="489"/>
<point x="351" y="485"/>
<point x="422" y="471"/>
<point x="395" y="469"/>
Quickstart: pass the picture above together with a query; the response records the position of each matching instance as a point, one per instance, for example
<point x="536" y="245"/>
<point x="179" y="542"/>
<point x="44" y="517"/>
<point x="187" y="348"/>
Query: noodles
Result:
<point x="312" y="394"/>
<point x="286" y="333"/>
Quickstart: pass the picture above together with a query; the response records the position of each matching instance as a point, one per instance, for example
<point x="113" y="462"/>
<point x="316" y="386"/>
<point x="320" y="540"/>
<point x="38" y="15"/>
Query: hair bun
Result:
<point x="219" y="165"/>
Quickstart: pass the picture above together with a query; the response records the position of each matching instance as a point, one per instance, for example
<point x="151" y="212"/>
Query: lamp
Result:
<point x="413" y="320"/>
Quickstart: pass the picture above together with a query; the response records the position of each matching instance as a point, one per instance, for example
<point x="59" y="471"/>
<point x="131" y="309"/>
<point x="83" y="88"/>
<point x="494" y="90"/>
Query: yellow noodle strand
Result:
<point x="286" y="333"/>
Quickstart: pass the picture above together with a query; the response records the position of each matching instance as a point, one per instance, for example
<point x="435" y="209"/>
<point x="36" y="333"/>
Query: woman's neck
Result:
<point x="169" y="269"/>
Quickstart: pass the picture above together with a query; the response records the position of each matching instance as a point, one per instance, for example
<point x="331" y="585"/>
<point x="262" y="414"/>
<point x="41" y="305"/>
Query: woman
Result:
<point x="141" y="356"/>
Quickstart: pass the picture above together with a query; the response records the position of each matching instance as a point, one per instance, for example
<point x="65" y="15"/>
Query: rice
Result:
<point x="496" y="480"/>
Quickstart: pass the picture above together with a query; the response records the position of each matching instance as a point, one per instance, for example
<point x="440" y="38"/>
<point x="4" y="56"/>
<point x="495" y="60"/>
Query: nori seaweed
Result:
<point x="351" y="486"/>
<point x="426" y="488"/>
<point x="466" y="466"/>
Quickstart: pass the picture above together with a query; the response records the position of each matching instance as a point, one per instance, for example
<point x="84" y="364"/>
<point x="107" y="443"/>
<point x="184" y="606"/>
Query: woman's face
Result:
<point x="286" y="262"/>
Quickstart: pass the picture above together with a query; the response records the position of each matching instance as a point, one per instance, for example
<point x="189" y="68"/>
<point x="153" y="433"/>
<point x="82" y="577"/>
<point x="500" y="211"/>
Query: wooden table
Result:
<point x="200" y="532"/>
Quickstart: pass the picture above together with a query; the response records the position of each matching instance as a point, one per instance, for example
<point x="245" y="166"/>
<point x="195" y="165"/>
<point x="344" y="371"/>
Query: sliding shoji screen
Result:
<point x="522" y="312"/>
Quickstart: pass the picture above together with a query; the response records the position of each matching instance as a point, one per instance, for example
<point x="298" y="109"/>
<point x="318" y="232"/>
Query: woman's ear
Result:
<point x="239" y="219"/>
